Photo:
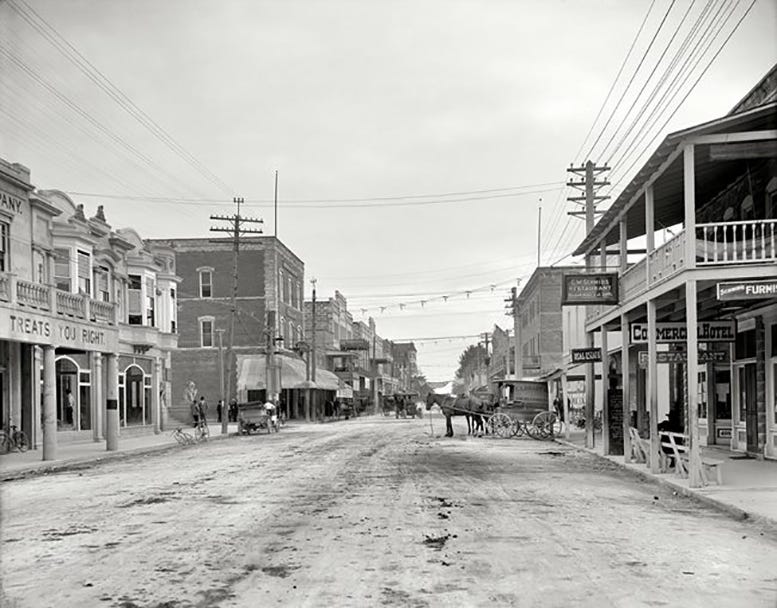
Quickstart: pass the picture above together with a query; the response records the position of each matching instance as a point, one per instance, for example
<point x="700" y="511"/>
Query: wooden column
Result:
<point x="692" y="371"/>
<point x="652" y="386"/>
<point x="605" y="389"/>
<point x="565" y="405"/>
<point x="97" y="397"/>
<point x="626" y="376"/>
<point x="590" y="392"/>
<point x="650" y="228"/>
<point x="624" y="246"/>
<point x="112" y="404"/>
<point x="49" y="404"/>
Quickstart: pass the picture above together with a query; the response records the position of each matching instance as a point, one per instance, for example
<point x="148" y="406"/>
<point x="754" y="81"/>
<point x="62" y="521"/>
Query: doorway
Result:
<point x="67" y="394"/>
<point x="748" y="411"/>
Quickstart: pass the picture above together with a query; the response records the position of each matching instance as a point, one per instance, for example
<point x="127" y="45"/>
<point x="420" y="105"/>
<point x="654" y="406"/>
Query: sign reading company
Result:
<point x="666" y="333"/>
<point x="705" y="356"/>
<point x="591" y="288"/>
<point x="40" y="329"/>
<point x="10" y="203"/>
<point x="586" y="355"/>
<point x="747" y="290"/>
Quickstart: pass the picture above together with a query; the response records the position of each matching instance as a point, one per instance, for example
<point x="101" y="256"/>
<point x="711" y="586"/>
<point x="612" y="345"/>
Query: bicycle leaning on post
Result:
<point x="183" y="437"/>
<point x="13" y="439"/>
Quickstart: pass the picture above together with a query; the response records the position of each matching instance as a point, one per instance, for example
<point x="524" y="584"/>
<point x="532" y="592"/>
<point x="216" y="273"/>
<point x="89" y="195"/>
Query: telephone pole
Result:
<point x="512" y="311"/>
<point x="487" y="359"/>
<point x="312" y="354"/>
<point x="236" y="230"/>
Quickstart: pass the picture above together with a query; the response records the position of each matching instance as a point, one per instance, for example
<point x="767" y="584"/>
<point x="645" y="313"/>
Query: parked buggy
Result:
<point x="523" y="409"/>
<point x="255" y="416"/>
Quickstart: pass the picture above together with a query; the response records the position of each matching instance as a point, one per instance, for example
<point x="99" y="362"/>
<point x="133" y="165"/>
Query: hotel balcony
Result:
<point x="718" y="244"/>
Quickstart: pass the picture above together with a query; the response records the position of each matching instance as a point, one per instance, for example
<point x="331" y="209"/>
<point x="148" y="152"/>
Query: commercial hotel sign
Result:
<point x="53" y="331"/>
<point x="667" y="333"/>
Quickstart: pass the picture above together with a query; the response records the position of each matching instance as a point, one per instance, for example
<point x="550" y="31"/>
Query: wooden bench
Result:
<point x="677" y="445"/>
<point x="640" y="448"/>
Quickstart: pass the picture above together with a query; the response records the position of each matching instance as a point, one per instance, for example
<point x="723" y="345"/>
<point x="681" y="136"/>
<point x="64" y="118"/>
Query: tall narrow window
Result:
<point x="150" y="302"/>
<point x="135" y="299"/>
<point x="84" y="273"/>
<point x="206" y="332"/>
<point x="206" y="283"/>
<point x="102" y="289"/>
<point x="5" y="249"/>
<point x="62" y="269"/>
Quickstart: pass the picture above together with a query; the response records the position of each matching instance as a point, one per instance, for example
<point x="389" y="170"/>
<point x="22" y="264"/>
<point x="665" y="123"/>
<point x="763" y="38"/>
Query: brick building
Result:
<point x="269" y="317"/>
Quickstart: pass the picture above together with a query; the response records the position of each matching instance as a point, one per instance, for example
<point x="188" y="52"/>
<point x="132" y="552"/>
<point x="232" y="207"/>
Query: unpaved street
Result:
<point x="371" y="512"/>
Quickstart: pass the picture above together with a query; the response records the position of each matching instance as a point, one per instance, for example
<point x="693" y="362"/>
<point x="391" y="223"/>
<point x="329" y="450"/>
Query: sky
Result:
<point x="414" y="141"/>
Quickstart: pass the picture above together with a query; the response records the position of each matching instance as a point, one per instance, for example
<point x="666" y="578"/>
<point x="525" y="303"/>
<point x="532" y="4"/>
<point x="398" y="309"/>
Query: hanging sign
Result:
<point x="354" y="345"/>
<point x="664" y="357"/>
<point x="667" y="333"/>
<point x="586" y="355"/>
<point x="747" y="290"/>
<point x="589" y="288"/>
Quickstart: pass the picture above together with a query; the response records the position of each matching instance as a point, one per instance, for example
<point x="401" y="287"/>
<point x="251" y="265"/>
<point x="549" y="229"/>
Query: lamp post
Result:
<point x="224" y="410"/>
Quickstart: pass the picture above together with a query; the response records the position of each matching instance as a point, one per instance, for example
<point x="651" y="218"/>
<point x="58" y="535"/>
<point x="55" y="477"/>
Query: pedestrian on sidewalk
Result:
<point x="232" y="410"/>
<point x="203" y="407"/>
<point x="71" y="404"/>
<point x="195" y="409"/>
<point x="220" y="409"/>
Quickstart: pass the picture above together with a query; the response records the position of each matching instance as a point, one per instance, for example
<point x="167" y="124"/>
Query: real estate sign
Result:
<point x="667" y="333"/>
<point x="747" y="290"/>
<point x="589" y="288"/>
<point x="586" y="355"/>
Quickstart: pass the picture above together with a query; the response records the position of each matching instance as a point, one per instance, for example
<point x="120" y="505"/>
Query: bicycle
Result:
<point x="13" y="440"/>
<point x="183" y="437"/>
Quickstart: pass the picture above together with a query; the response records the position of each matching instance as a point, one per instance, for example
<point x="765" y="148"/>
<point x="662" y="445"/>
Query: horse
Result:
<point x="399" y="406"/>
<point x="469" y="407"/>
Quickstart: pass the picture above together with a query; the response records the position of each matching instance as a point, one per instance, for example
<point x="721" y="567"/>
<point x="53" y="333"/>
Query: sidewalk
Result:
<point x="749" y="489"/>
<point x="73" y="454"/>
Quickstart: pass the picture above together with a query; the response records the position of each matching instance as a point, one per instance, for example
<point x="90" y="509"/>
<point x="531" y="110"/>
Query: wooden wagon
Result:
<point x="522" y="408"/>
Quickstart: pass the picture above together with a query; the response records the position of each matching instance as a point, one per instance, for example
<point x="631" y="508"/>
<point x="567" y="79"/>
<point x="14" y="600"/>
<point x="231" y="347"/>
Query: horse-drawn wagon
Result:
<point x="255" y="416"/>
<point x="522" y="408"/>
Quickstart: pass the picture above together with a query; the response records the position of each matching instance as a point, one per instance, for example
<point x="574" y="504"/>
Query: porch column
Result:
<point x="15" y="384"/>
<point x="603" y="255"/>
<point x="156" y="409"/>
<point x="626" y="376"/>
<point x="652" y="386"/>
<point x="112" y="404"/>
<point x="565" y="404"/>
<point x="605" y="390"/>
<point x="49" y="404"/>
<point x="689" y="196"/>
<point x="97" y="396"/>
<point x="37" y="405"/>
<point x="692" y="378"/>
<point x="590" y="378"/>
<point x="650" y="232"/>
<point x="624" y="246"/>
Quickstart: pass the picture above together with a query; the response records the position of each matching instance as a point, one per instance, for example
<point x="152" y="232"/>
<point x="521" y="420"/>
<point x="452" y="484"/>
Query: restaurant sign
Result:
<point x="53" y="331"/>
<point x="747" y="290"/>
<point x="586" y="355"/>
<point x="589" y="288"/>
<point x="665" y="357"/>
<point x="666" y="333"/>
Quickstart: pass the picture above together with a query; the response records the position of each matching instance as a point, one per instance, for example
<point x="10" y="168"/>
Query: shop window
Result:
<point x="206" y="283"/>
<point x="62" y="269"/>
<point x="135" y="299"/>
<point x="84" y="273"/>
<point x="5" y="246"/>
<point x="206" y="332"/>
<point x="85" y="400"/>
<point x="150" y="302"/>
<point x="745" y="345"/>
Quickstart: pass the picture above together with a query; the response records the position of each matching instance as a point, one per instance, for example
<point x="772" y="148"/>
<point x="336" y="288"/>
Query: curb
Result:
<point x="74" y="464"/>
<point x="731" y="510"/>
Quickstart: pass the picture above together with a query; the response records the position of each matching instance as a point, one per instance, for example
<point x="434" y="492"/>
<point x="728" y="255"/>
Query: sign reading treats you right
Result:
<point x="667" y="333"/>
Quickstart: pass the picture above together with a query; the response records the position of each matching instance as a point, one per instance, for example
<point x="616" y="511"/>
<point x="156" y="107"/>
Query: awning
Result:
<point x="326" y="380"/>
<point x="252" y="371"/>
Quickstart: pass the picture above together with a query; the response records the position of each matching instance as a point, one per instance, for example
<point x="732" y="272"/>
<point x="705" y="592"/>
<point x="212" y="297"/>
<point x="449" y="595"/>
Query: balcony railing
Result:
<point x="5" y="287"/>
<point x="32" y="294"/>
<point x="736" y="242"/>
<point x="632" y="282"/>
<point x="667" y="260"/>
<point x="70" y="304"/>
<point x="102" y="311"/>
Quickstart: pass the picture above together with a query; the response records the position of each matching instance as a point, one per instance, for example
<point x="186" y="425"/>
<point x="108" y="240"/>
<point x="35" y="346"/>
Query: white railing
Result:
<point x="70" y="304"/>
<point x="736" y="242"/>
<point x="32" y="294"/>
<point x="5" y="287"/>
<point x="667" y="260"/>
<point x="102" y="311"/>
<point x="632" y="282"/>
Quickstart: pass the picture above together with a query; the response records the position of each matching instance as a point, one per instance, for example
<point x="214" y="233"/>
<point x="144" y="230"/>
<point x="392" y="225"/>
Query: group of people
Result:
<point x="199" y="410"/>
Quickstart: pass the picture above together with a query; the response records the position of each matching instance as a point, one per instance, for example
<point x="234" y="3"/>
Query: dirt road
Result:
<point x="371" y="512"/>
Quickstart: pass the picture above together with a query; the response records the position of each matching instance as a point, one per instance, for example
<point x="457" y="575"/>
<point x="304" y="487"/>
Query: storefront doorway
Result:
<point x="746" y="412"/>
<point x="67" y="394"/>
<point x="134" y="397"/>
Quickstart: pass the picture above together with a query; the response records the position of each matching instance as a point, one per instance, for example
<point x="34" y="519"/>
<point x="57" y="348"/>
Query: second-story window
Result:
<point x="206" y="283"/>
<point x="102" y="289"/>
<point x="62" y="269"/>
<point x="84" y="273"/>
<point x="206" y="332"/>
<point x="5" y="249"/>
<point x="135" y="299"/>
<point x="150" y="302"/>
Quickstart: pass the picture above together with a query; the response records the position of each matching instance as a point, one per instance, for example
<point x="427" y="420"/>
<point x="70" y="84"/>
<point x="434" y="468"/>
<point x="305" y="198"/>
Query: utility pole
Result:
<point x="224" y="407"/>
<point x="589" y="185"/>
<point x="236" y="231"/>
<point x="539" y="233"/>
<point x="513" y="311"/>
<point x="374" y="371"/>
<point x="487" y="360"/>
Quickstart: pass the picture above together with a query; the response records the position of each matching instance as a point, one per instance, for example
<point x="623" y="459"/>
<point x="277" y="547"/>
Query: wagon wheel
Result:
<point x="502" y="425"/>
<point x="544" y="422"/>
